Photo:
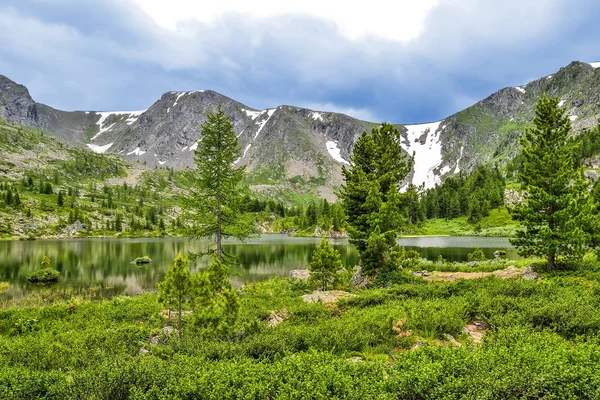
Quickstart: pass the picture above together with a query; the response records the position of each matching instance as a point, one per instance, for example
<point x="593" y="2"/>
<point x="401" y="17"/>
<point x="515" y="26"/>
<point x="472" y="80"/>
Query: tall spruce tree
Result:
<point x="370" y="195"/>
<point x="218" y="195"/>
<point x="557" y="203"/>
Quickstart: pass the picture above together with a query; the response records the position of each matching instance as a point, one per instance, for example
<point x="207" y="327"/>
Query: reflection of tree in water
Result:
<point x="94" y="262"/>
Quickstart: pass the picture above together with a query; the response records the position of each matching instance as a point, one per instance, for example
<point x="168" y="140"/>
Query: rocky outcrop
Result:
<point x="302" y="274"/>
<point x="327" y="296"/>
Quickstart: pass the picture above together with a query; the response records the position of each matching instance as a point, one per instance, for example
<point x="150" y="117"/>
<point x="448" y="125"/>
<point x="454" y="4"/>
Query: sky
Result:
<point x="395" y="61"/>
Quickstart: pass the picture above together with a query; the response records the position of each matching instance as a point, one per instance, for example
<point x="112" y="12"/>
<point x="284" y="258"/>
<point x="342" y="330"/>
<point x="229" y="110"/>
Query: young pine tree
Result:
<point x="179" y="289"/>
<point x="557" y="204"/>
<point x="324" y="264"/>
<point x="218" y="195"/>
<point x="370" y="195"/>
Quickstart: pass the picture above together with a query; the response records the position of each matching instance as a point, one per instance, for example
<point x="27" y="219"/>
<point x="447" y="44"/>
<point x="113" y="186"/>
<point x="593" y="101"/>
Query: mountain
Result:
<point x="301" y="151"/>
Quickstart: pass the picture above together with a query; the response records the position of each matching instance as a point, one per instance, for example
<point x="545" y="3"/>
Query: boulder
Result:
<point x="302" y="274"/>
<point x="327" y="296"/>
<point x="277" y="317"/>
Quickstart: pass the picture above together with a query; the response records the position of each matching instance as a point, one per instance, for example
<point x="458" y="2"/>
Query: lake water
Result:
<point x="100" y="262"/>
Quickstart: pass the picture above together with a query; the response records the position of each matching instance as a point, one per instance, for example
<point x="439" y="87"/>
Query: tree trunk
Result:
<point x="219" y="234"/>
<point x="179" y="320"/>
<point x="551" y="257"/>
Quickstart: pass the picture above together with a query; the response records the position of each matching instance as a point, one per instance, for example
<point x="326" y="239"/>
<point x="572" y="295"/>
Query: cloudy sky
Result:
<point x="402" y="61"/>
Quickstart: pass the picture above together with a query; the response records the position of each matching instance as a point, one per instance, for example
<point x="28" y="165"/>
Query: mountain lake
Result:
<point x="107" y="262"/>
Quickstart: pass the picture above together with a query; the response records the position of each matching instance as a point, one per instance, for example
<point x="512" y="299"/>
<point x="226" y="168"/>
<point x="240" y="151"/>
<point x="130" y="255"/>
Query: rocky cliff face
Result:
<point x="301" y="150"/>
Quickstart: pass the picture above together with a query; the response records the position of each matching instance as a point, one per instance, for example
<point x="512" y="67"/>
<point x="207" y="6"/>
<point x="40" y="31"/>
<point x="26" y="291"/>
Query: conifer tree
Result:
<point x="370" y="195"/>
<point x="557" y="202"/>
<point x="324" y="264"/>
<point x="61" y="199"/>
<point x="179" y="289"/>
<point x="218" y="195"/>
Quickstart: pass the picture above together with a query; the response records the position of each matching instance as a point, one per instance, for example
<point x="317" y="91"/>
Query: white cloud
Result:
<point x="400" y="20"/>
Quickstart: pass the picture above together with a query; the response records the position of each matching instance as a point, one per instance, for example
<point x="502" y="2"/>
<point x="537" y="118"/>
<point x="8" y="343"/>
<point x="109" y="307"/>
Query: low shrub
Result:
<point x="45" y="275"/>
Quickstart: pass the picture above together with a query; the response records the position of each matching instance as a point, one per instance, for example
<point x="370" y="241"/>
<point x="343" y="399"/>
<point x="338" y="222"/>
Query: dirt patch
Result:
<point x="475" y="330"/>
<point x="507" y="273"/>
<point x="328" y="296"/>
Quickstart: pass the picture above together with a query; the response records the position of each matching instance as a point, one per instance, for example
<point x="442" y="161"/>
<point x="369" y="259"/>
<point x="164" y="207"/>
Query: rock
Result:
<point x="164" y="332"/>
<point x="142" y="260"/>
<point x="302" y="274"/>
<point x="511" y="268"/>
<point x="355" y="360"/>
<point x="417" y="345"/>
<point x="452" y="340"/>
<point x="277" y="317"/>
<point x="167" y="330"/>
<point x="421" y="273"/>
<point x="530" y="275"/>
<point x="591" y="174"/>
<point x="332" y="234"/>
<point x="357" y="280"/>
<point x="73" y="230"/>
<point x="143" y="351"/>
<point x="328" y="296"/>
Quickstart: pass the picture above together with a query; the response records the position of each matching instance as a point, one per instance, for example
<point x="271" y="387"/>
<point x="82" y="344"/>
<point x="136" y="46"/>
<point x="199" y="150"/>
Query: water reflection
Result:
<point x="86" y="262"/>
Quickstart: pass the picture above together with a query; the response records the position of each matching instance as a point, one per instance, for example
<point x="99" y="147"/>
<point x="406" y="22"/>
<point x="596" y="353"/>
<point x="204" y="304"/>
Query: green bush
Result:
<point x="45" y="275"/>
<point x="476" y="255"/>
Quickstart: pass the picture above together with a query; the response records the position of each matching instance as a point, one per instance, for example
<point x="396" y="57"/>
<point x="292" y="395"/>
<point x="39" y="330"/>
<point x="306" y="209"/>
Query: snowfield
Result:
<point x="252" y="114"/>
<point x="262" y="124"/>
<point x="99" y="149"/>
<point x="457" y="169"/>
<point x="137" y="152"/>
<point x="316" y="116"/>
<point x="334" y="151"/>
<point x="595" y="64"/>
<point x="132" y="117"/>
<point x="428" y="156"/>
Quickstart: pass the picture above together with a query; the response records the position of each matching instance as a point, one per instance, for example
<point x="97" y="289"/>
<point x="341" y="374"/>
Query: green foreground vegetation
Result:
<point x="542" y="341"/>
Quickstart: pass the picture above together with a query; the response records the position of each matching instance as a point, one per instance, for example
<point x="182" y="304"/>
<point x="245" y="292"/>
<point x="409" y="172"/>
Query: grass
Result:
<point x="499" y="224"/>
<point x="542" y="342"/>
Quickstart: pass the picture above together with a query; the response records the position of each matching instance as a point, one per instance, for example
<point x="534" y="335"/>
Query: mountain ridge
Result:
<point x="298" y="149"/>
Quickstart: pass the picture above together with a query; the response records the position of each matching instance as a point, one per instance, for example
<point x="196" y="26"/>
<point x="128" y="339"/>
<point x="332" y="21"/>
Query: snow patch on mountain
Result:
<point x="99" y="149"/>
<point x="252" y="114"/>
<point x="428" y="155"/>
<point x="137" y="151"/>
<point x="457" y="169"/>
<point x="561" y="103"/>
<point x="179" y="95"/>
<point x="316" y="116"/>
<point x="549" y="76"/>
<point x="595" y="64"/>
<point x="573" y="117"/>
<point x="194" y="146"/>
<point x="162" y="162"/>
<point x="243" y="155"/>
<point x="520" y="89"/>
<point x="132" y="117"/>
<point x="335" y="152"/>
<point x="264" y="122"/>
